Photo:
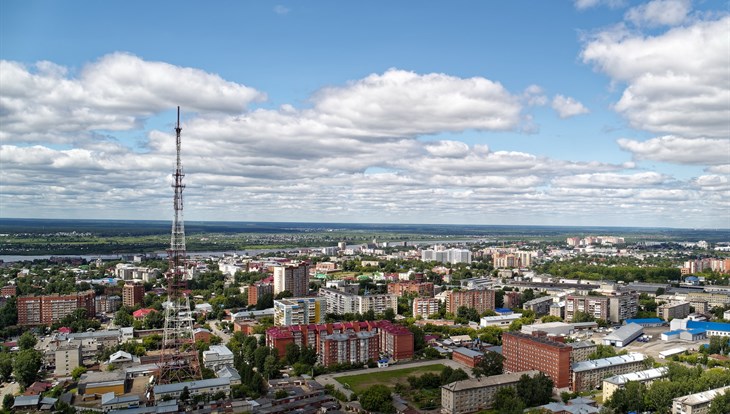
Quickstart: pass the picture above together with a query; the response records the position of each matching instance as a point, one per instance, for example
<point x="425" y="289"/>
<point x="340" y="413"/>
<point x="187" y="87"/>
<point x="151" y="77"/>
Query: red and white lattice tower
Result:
<point x="179" y="358"/>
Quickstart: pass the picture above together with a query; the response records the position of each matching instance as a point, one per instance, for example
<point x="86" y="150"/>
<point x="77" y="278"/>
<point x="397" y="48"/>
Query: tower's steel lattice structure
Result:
<point x="179" y="358"/>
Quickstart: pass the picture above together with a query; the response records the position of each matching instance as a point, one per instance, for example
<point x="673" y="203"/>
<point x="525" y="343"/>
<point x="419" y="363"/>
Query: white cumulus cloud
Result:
<point x="676" y="82"/>
<point x="660" y="13"/>
<point x="672" y="149"/>
<point x="567" y="107"/>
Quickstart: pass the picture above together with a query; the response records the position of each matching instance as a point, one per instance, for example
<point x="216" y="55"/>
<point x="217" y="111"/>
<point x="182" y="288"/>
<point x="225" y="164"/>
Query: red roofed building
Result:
<point x="142" y="313"/>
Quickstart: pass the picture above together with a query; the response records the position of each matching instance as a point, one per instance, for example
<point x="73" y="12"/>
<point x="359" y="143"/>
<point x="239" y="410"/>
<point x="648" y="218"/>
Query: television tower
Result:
<point x="179" y="358"/>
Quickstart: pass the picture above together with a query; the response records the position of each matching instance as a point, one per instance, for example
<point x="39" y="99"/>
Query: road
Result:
<point x="11" y="389"/>
<point x="216" y="330"/>
<point x="330" y="378"/>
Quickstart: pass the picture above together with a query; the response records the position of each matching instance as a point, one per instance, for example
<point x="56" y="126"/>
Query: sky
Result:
<point x="585" y="112"/>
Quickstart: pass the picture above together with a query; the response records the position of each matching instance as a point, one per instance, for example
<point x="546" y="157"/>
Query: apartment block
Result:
<point x="541" y="306"/>
<point x="340" y="302"/>
<point x="299" y="311"/>
<point x="424" y="307"/>
<point x="524" y="352"/>
<point x="9" y="290"/>
<point x="588" y="375"/>
<point x="443" y="255"/>
<point x="292" y="278"/>
<point x="581" y="350"/>
<point x="350" y="347"/>
<point x="671" y="311"/>
<point x="393" y="340"/>
<point x="698" y="403"/>
<point x="67" y="357"/>
<point x="258" y="290"/>
<point x="512" y="300"/>
<point x="133" y="294"/>
<point x="595" y="306"/>
<point x="44" y="310"/>
<point x="511" y="260"/>
<point x="217" y="357"/>
<point x="481" y="300"/>
<point x="622" y="306"/>
<point x="106" y="304"/>
<point x="423" y="289"/>
<point x="476" y="394"/>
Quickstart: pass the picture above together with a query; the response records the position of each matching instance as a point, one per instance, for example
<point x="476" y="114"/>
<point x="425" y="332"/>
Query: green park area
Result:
<point x="390" y="378"/>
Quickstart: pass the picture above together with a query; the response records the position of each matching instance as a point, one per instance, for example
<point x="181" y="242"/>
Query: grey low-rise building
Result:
<point x="476" y="394"/>
<point x="698" y="403"/>
<point x="207" y="386"/>
<point x="623" y="335"/>
<point x="589" y="375"/>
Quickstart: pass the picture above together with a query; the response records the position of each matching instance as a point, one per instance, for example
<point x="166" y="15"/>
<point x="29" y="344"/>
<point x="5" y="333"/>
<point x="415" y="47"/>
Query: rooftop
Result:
<point x="625" y="332"/>
<point x="468" y="352"/>
<point x="192" y="385"/>
<point x="701" y="397"/>
<point x="607" y="362"/>
<point x="644" y="320"/>
<point x="220" y="350"/>
<point x="709" y="326"/>
<point x="646" y="375"/>
<point x="487" y="381"/>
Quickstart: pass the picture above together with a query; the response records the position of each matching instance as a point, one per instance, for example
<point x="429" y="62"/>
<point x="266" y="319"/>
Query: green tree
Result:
<point x="291" y="353"/>
<point x="506" y="401"/>
<point x="77" y="372"/>
<point x="467" y="313"/>
<point x="8" y="401"/>
<point x="389" y="314"/>
<point x="720" y="404"/>
<point x="26" y="366"/>
<point x="490" y="364"/>
<point x="536" y="390"/>
<point x="124" y="317"/>
<point x="377" y="398"/>
<point x="629" y="398"/>
<point x="27" y="340"/>
<point x="602" y="351"/>
<point x="579" y="316"/>
<point x="185" y="394"/>
<point x="6" y="366"/>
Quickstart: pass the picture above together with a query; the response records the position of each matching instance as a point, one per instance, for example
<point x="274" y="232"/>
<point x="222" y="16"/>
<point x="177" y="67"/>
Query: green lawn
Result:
<point x="360" y="382"/>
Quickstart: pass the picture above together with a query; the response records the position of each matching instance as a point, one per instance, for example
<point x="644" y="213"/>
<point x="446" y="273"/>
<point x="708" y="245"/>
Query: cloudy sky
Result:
<point x="586" y="112"/>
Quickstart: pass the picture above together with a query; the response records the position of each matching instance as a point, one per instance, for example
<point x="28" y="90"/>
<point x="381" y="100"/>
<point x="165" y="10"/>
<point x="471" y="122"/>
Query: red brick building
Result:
<point x="467" y="357"/>
<point x="132" y="295"/>
<point x="524" y="352"/>
<point x="394" y="340"/>
<point x="349" y="347"/>
<point x="512" y="300"/>
<point x="481" y="300"/>
<point x="44" y="310"/>
<point x="246" y="326"/>
<point x="10" y="290"/>
<point x="258" y="290"/>
<point x="424" y="289"/>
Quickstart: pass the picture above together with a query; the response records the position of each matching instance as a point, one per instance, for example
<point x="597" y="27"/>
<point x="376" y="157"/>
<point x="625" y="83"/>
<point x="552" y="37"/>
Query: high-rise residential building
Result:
<point x="107" y="303"/>
<point x="393" y="340"/>
<point x="513" y="259"/>
<point x="299" y="311"/>
<point x="595" y="306"/>
<point x="257" y="290"/>
<point x="669" y="311"/>
<point x="292" y="278"/>
<point x="133" y="294"/>
<point x="481" y="300"/>
<point x="423" y="289"/>
<point x="443" y="255"/>
<point x="45" y="310"/>
<point x="424" y="307"/>
<point x="622" y="306"/>
<point x="350" y="347"/>
<point x="524" y="352"/>
<point x="340" y="302"/>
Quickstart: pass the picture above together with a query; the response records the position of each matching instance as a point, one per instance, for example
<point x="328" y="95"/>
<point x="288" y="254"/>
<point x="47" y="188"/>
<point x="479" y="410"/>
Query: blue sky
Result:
<point x="519" y="112"/>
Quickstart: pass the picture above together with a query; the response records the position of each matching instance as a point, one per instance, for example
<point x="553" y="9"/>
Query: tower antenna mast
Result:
<point x="179" y="358"/>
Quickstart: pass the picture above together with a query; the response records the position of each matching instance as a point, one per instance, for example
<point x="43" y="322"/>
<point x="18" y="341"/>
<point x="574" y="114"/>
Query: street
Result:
<point x="218" y="332"/>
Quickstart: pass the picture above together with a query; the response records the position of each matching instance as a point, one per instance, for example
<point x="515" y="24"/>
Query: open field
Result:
<point x="360" y="382"/>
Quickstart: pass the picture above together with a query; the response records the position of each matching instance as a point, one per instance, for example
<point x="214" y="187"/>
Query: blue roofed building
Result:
<point x="645" y="322"/>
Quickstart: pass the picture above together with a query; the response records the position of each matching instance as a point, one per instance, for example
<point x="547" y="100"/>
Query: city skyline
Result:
<point x="592" y="112"/>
